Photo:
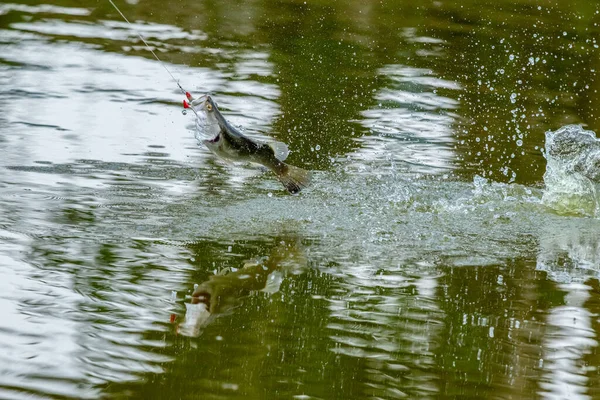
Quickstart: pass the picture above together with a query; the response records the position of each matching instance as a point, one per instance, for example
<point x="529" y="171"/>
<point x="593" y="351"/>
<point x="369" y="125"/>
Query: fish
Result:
<point x="223" y="292"/>
<point x="229" y="143"/>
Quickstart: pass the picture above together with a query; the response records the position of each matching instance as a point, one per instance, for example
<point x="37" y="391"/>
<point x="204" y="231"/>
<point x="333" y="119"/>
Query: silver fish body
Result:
<point x="230" y="144"/>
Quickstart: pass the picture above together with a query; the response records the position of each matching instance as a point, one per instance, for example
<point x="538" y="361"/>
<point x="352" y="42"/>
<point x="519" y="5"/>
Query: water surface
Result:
<point x="421" y="263"/>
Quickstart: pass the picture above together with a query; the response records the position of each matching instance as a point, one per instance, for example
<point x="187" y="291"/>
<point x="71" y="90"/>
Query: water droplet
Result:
<point x="317" y="147"/>
<point x="184" y="112"/>
<point x="270" y="194"/>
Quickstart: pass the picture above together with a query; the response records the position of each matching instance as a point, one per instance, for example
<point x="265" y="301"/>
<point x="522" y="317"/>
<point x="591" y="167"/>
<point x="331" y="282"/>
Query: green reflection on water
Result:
<point x="326" y="56"/>
<point x="422" y="330"/>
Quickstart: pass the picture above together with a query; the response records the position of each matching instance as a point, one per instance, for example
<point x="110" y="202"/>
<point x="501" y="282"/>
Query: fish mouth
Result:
<point x="202" y="297"/>
<point x="214" y="140"/>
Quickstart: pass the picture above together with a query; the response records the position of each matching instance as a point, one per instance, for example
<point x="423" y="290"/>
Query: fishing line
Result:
<point x="149" y="48"/>
<point x="187" y="94"/>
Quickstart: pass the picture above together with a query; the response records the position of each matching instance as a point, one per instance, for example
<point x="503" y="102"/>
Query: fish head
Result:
<point x="206" y="106"/>
<point x="197" y="317"/>
<point x="207" y="122"/>
<point x="198" y="313"/>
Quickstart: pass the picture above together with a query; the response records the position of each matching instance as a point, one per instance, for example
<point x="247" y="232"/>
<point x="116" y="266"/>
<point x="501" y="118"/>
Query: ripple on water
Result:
<point x="384" y="326"/>
<point x="43" y="9"/>
<point x="411" y="288"/>
<point x="412" y="124"/>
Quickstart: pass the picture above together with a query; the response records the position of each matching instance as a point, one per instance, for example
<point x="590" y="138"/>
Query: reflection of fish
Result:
<point x="230" y="144"/>
<point x="196" y="317"/>
<point x="221" y="292"/>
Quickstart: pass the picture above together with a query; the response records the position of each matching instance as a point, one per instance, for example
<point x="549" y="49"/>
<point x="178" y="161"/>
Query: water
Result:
<point x="572" y="174"/>
<point x="441" y="251"/>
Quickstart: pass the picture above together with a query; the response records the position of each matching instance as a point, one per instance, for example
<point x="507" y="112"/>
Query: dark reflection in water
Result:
<point x="423" y="336"/>
<point x="398" y="274"/>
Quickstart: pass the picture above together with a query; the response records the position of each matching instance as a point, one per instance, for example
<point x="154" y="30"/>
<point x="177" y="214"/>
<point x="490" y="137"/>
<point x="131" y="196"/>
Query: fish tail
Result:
<point x="293" y="178"/>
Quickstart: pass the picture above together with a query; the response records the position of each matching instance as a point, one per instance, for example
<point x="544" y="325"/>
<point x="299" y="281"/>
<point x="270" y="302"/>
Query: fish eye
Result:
<point x="209" y="106"/>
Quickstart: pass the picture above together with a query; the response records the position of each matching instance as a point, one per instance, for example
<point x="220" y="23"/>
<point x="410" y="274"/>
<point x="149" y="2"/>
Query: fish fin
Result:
<point x="294" y="179"/>
<point x="280" y="149"/>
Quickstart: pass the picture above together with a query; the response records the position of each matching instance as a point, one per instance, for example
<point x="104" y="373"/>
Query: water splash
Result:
<point x="572" y="175"/>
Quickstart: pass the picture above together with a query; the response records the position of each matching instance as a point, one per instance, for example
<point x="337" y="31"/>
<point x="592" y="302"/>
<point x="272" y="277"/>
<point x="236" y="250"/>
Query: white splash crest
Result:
<point x="572" y="175"/>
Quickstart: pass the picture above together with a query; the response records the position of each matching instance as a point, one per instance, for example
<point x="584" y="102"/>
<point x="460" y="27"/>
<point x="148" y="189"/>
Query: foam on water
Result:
<point x="572" y="175"/>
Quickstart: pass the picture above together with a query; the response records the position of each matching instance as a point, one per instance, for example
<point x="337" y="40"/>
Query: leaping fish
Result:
<point x="229" y="143"/>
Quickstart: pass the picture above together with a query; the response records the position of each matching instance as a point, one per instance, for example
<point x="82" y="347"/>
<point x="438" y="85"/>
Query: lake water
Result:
<point x="424" y="261"/>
